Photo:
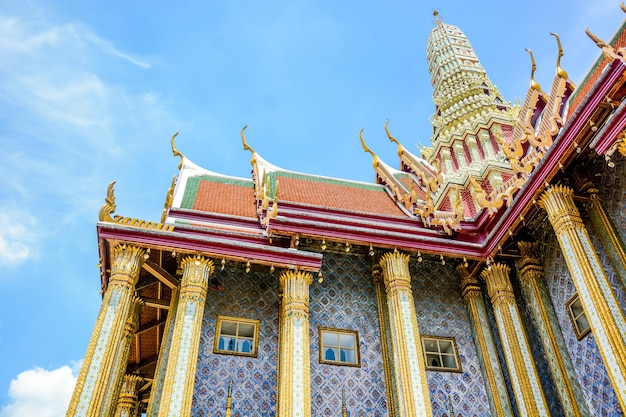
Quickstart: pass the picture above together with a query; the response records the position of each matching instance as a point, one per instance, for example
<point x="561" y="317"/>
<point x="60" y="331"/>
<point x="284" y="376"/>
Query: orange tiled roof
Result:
<point x="222" y="195"/>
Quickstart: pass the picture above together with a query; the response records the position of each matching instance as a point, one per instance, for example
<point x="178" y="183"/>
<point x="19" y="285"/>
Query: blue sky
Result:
<point x="91" y="92"/>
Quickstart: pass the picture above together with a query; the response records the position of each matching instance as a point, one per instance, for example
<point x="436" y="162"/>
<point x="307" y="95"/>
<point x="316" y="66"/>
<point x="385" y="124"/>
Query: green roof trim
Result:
<point x="323" y="180"/>
<point x="597" y="63"/>
<point x="191" y="188"/>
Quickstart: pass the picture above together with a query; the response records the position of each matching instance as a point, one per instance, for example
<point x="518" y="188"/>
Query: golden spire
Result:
<point x="109" y="204"/>
<point x="436" y="14"/>
<point x="176" y="152"/>
<point x="366" y="149"/>
<point x="559" y="71"/>
<point x="533" y="84"/>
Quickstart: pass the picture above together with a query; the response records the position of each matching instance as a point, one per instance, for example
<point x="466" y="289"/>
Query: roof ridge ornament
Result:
<point x="437" y="19"/>
<point x="621" y="6"/>
<point x="176" y="152"/>
<point x="394" y="140"/>
<point x="247" y="147"/>
<point x="559" y="70"/>
<point x="367" y="149"/>
<point x="607" y="50"/>
<point x="533" y="84"/>
<point x="109" y="204"/>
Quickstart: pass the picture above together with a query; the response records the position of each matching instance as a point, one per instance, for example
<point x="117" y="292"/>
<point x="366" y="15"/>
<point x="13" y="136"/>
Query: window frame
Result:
<point x="357" y="347"/>
<point x="574" y="318"/>
<point x="440" y="354"/>
<point x="238" y="321"/>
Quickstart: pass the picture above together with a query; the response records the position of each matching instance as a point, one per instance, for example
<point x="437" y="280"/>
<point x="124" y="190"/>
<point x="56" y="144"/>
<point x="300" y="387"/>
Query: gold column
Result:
<point x="183" y="354"/>
<point x="603" y="311"/>
<point x="408" y="358"/>
<point x="531" y="277"/>
<point x="128" y="400"/>
<point x="383" y="325"/>
<point x="294" y="397"/>
<point x="486" y="347"/>
<point x="529" y="395"/>
<point x="91" y="395"/>
<point x="161" y="366"/>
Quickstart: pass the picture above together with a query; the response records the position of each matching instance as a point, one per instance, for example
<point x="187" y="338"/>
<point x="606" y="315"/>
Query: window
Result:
<point x="578" y="317"/>
<point x="339" y="347"/>
<point x="441" y="354"/>
<point x="236" y="336"/>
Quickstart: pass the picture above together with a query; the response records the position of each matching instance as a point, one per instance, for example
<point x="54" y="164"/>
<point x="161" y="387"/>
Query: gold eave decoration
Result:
<point x="109" y="208"/>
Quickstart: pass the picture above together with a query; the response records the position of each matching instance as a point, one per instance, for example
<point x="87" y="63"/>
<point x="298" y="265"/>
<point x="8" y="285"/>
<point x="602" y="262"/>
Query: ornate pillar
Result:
<point x="605" y="316"/>
<point x="183" y="353"/>
<point x="127" y="403"/>
<point x="91" y="395"/>
<point x="294" y="374"/>
<point x="487" y="353"/>
<point x="161" y="366"/>
<point x="384" y="326"/>
<point x="531" y="277"/>
<point x="529" y="395"/>
<point x="408" y="359"/>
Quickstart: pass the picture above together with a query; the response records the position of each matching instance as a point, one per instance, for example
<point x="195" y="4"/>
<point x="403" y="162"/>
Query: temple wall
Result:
<point x="594" y="380"/>
<point x="246" y="295"/>
<point x="346" y="299"/>
<point x="441" y="312"/>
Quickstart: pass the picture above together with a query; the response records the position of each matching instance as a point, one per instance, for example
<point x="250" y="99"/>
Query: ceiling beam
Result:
<point x="156" y="303"/>
<point x="161" y="274"/>
<point x="149" y="326"/>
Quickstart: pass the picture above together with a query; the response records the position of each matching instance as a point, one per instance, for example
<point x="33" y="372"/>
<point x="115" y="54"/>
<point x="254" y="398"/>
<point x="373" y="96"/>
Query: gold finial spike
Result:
<point x="436" y="14"/>
<point x="246" y="147"/>
<point x="229" y="400"/>
<point x="607" y="50"/>
<point x="109" y="204"/>
<point x="366" y="149"/>
<point x="176" y="152"/>
<point x="559" y="70"/>
<point x="533" y="83"/>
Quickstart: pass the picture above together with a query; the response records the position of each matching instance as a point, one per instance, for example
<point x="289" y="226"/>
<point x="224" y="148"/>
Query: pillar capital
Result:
<point x="529" y="263"/>
<point x="295" y="286"/>
<point x="126" y="260"/>
<point x="128" y="398"/>
<point x="558" y="201"/>
<point x="498" y="284"/>
<point x="395" y="266"/>
<point x="196" y="272"/>
<point x="469" y="284"/>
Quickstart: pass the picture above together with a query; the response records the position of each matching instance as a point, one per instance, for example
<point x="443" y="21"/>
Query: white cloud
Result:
<point x="38" y="392"/>
<point x="17" y="239"/>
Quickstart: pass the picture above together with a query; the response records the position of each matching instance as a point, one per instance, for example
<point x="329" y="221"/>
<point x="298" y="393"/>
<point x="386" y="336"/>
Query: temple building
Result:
<point x="484" y="277"/>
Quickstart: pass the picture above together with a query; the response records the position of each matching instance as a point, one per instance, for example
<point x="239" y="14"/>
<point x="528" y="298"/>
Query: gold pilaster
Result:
<point x="605" y="316"/>
<point x="486" y="347"/>
<point x="529" y="395"/>
<point x="383" y="325"/>
<point x="532" y="279"/>
<point x="183" y="355"/>
<point x="161" y="366"/>
<point x="127" y="403"/>
<point x="92" y="394"/>
<point x="408" y="359"/>
<point x="294" y="379"/>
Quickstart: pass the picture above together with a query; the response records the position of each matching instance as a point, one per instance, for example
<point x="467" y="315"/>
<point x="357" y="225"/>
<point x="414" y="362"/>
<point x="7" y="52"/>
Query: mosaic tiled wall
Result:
<point x="346" y="299"/>
<point x="247" y="295"/>
<point x="586" y="358"/>
<point x="441" y="312"/>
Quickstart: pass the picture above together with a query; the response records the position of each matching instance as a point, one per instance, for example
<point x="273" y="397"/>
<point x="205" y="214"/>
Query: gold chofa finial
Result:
<point x="607" y="50"/>
<point x="559" y="71"/>
<point x="246" y="147"/>
<point x="394" y="140"/>
<point x="176" y="152"/>
<point x="621" y="6"/>
<point x="533" y="83"/>
<point x="366" y="149"/>
<point x="109" y="204"/>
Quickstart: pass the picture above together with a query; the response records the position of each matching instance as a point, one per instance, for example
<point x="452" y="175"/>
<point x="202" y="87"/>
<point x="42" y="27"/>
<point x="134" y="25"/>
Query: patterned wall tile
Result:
<point x="441" y="312"/>
<point x="346" y="299"/>
<point x="247" y="295"/>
